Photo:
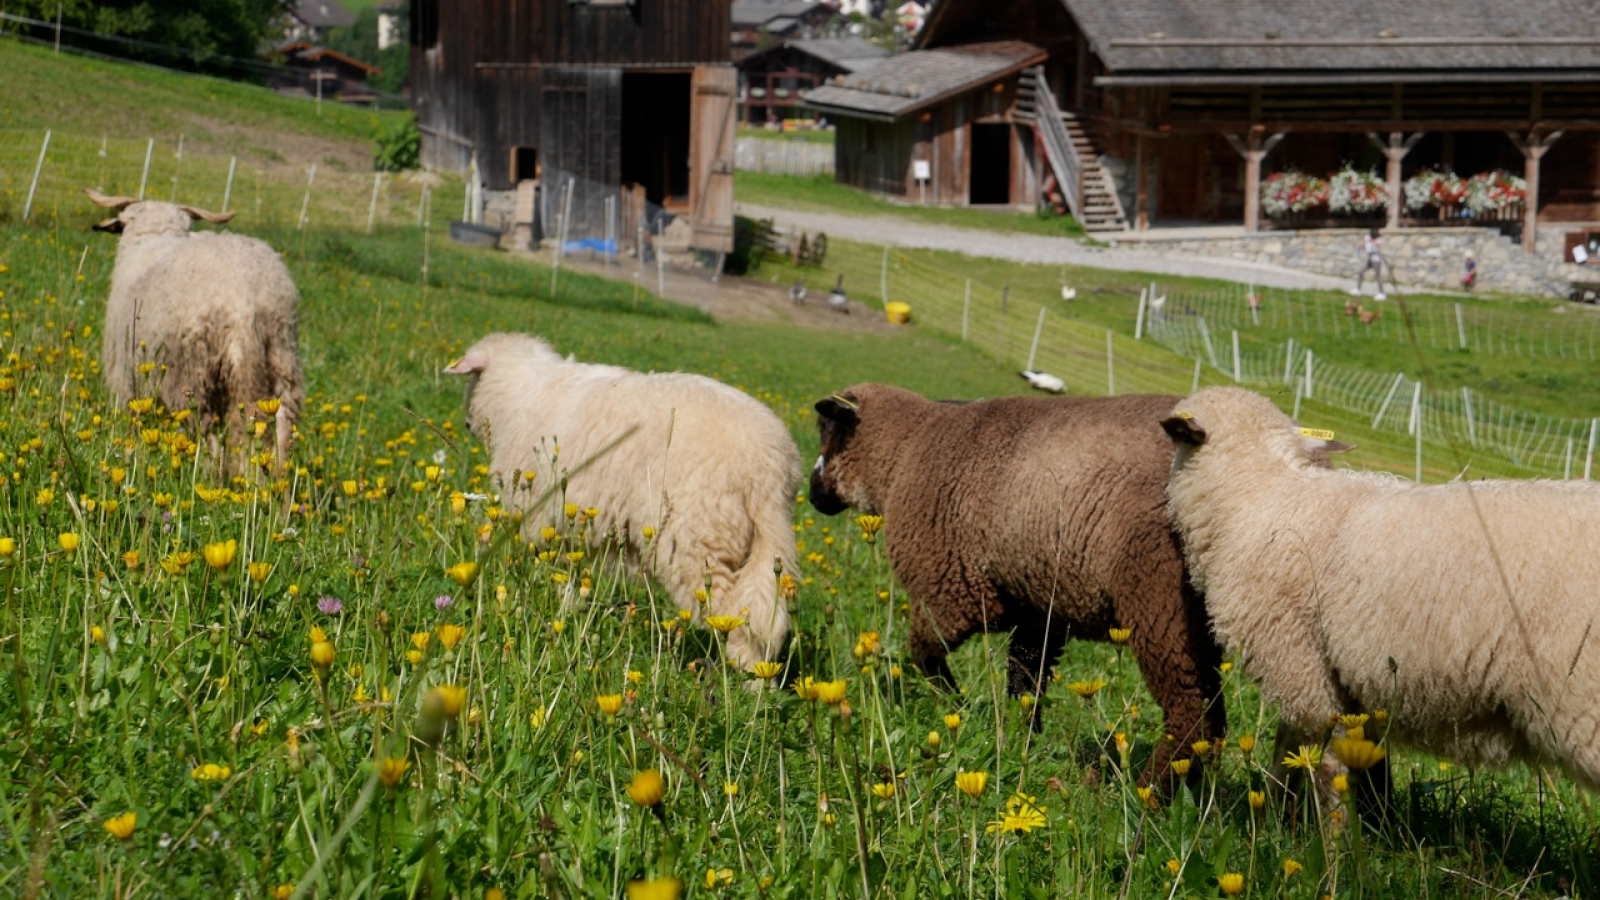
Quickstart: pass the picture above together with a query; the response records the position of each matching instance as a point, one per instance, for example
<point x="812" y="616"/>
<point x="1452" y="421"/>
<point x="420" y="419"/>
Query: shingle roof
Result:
<point x="762" y="12"/>
<point x="323" y="14"/>
<point x="849" y="53"/>
<point x="1385" y="39"/>
<point x="900" y="84"/>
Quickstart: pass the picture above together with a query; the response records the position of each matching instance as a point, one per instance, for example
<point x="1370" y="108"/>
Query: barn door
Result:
<point x="711" y="157"/>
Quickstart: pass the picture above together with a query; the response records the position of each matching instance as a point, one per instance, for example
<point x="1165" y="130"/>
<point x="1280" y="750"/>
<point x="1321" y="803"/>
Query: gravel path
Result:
<point x="1038" y="248"/>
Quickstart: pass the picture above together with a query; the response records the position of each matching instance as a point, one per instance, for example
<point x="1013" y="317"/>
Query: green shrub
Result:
<point x="399" y="147"/>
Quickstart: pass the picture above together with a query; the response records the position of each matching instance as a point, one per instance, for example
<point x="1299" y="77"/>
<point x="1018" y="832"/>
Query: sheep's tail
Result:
<point x="754" y="594"/>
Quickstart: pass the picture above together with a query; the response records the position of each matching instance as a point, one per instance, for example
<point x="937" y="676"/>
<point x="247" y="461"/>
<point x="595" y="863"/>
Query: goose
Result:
<point x="837" y="301"/>
<point x="797" y="291"/>
<point x="1044" y="381"/>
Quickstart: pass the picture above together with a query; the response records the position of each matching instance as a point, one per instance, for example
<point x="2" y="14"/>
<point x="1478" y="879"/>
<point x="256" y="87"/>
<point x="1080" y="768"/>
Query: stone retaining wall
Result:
<point x="1432" y="257"/>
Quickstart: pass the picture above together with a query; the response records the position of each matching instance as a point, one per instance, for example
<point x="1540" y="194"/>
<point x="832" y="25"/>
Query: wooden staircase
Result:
<point x="1074" y="160"/>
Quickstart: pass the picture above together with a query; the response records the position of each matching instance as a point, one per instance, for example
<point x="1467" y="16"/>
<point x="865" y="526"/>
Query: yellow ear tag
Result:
<point x="1186" y="416"/>
<point x="1321" y="434"/>
<point x="455" y="362"/>
<point x="845" y="402"/>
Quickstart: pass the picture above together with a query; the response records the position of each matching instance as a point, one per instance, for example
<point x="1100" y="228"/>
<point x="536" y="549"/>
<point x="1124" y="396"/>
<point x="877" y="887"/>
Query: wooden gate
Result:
<point x="711" y="155"/>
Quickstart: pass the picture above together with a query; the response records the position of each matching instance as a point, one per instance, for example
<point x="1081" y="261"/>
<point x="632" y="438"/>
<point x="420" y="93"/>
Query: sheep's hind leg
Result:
<point x="1036" y="644"/>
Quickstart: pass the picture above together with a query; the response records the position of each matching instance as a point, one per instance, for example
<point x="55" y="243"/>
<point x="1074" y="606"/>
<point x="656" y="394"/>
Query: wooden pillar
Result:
<point x="1394" y="151"/>
<point x="1533" y="149"/>
<point x="1254" y="149"/>
<point x="1141" y="187"/>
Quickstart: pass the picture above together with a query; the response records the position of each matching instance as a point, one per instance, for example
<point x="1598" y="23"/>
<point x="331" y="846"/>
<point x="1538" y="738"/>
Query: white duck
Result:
<point x="1044" y="381"/>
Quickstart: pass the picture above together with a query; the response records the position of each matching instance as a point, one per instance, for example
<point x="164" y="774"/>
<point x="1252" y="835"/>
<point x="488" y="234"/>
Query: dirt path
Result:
<point x="1037" y="248"/>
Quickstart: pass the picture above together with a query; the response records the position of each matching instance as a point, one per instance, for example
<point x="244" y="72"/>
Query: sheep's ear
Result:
<point x="1183" y="428"/>
<point x="838" y="408"/>
<point x="474" y="361"/>
<point x="1320" y="440"/>
<point x="108" y="202"/>
<point x="197" y="213"/>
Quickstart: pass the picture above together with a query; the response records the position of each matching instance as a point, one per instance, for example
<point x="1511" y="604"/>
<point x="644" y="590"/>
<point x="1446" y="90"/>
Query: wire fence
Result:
<point x="1176" y="349"/>
<point x="47" y="170"/>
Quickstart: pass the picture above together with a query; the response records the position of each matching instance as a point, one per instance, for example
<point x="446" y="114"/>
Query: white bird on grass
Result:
<point x="797" y="291"/>
<point x="1068" y="293"/>
<point x="1044" y="381"/>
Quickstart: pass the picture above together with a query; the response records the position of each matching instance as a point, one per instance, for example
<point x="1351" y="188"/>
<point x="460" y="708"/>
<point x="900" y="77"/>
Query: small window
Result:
<point x="524" y="164"/>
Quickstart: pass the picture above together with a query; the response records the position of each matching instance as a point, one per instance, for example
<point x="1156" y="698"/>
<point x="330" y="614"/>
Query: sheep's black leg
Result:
<point x="1031" y="661"/>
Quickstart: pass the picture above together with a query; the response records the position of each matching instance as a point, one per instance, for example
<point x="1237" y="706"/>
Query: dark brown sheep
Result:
<point x="1044" y="517"/>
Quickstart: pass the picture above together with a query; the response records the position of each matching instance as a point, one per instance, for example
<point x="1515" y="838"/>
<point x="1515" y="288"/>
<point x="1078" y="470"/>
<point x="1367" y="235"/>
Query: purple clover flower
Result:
<point x="443" y="601"/>
<point x="330" y="606"/>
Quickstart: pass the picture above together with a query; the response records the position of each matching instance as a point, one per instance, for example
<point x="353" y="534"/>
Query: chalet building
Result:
<point x="772" y="80"/>
<point x="1137" y="113"/>
<point x="618" y="98"/>
<point x="759" y="24"/>
<point x="320" y="72"/>
<point x="310" y="20"/>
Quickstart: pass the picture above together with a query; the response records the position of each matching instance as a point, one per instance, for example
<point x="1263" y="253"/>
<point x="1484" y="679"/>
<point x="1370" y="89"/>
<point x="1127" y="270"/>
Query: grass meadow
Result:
<point x="358" y="678"/>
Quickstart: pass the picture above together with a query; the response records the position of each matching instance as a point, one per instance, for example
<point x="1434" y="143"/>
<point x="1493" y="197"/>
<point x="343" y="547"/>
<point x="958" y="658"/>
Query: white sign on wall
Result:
<point x="920" y="170"/>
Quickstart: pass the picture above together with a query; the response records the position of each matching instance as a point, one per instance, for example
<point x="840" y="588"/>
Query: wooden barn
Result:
<point x="772" y="80"/>
<point x="1147" y="112"/>
<point x="621" y="98"/>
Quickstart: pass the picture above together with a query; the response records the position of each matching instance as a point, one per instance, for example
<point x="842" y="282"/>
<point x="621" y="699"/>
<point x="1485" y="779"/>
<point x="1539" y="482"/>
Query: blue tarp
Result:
<point x="608" y="247"/>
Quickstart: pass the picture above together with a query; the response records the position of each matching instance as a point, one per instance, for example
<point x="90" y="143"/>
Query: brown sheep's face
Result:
<point x="836" y="422"/>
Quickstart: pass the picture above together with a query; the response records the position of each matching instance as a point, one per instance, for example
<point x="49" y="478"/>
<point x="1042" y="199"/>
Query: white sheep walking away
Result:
<point x="1465" y="610"/>
<point x="711" y="469"/>
<point x="216" y="315"/>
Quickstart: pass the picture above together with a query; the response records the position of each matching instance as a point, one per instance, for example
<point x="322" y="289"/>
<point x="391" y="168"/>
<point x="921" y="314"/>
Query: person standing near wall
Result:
<point x="1370" y="252"/>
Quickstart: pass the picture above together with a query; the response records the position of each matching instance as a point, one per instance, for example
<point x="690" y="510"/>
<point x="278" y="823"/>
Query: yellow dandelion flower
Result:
<point x="141" y="405"/>
<point x="1086" y="689"/>
<point x="1308" y="757"/>
<point x="391" y="769"/>
<point x="610" y="704"/>
<point x="449" y="699"/>
<point x="724" y="624"/>
<point x="97" y="634"/>
<point x="221" y="555"/>
<point x="458" y="503"/>
<point x="831" y="692"/>
<point x="1201" y="747"/>
<point x="283" y="891"/>
<point x="317" y="634"/>
<point x="557" y="626"/>
<point x="1147" y="796"/>
<point x="1358" y="753"/>
<point x="635" y="676"/>
<point x="259" y="571"/>
<point x="718" y="878"/>
<point x="952" y="721"/>
<point x="666" y="888"/>
<point x="647" y="787"/>
<point x="322" y="654"/>
<point x="1354" y="720"/>
<point x="69" y="541"/>
<point x="462" y="573"/>
<point x="767" y="669"/>
<point x="1180" y="767"/>
<point x="414" y="656"/>
<point x="1292" y="868"/>
<point x="806" y="688"/>
<point x="1120" y="635"/>
<point x="1258" y="799"/>
<point x="1232" y="883"/>
<point x="121" y="827"/>
<point x="1247" y="743"/>
<point x="450" y="634"/>
<point x="972" y="783"/>
<point x="8" y="546"/>
<point x="536" y="718"/>
<point x="1174" y="867"/>
<point x="269" y="405"/>
<point x="883" y="790"/>
<point x="730" y="789"/>
<point x="1341" y="784"/>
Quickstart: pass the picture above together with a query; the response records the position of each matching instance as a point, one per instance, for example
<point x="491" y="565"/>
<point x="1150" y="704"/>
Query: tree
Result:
<point x="193" y="34"/>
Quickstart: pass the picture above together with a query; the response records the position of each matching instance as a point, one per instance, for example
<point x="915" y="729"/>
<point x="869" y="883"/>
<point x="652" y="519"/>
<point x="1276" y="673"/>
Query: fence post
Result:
<point x="144" y="178"/>
<point x="1588" y="458"/>
<point x="1472" y="426"/>
<point x="1138" y="322"/>
<point x="1196" y="386"/>
<point x="1416" y="415"/>
<point x="305" y="202"/>
<point x="1205" y="335"/>
<point x="661" y="262"/>
<point x="966" y="311"/>
<point x="883" y="277"/>
<point x="1288" y="362"/>
<point x="177" y="168"/>
<point x="1461" y="326"/>
<point x="38" y="169"/>
<point x="372" y="206"/>
<point x="227" y="190"/>
<point x="1111" y="366"/>
<point x="1414" y="422"/>
<point x="1389" y="398"/>
<point x="1309" y="392"/>
<point x="1236" y="372"/>
<point x="1566" y="471"/>
<point x="1298" y="394"/>
<point x="1038" y="329"/>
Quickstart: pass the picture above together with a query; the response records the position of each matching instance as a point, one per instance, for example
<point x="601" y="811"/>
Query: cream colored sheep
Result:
<point x="1465" y="610"/>
<point x="707" y="466"/>
<point x="215" y="316"/>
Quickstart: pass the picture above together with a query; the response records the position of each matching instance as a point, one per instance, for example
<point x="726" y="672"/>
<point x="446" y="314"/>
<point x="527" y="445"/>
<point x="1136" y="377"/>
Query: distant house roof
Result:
<point x="758" y="13"/>
<point x="845" y="53"/>
<point x="1265" y="41"/>
<point x="894" y="86"/>
<point x="310" y="53"/>
<point x="322" y="14"/>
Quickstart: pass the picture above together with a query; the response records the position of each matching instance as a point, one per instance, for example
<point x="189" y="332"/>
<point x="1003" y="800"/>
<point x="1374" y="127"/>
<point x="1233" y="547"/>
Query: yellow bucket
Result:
<point x="897" y="312"/>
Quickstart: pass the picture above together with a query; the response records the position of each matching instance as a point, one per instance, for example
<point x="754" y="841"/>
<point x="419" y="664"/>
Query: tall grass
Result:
<point x="456" y="744"/>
